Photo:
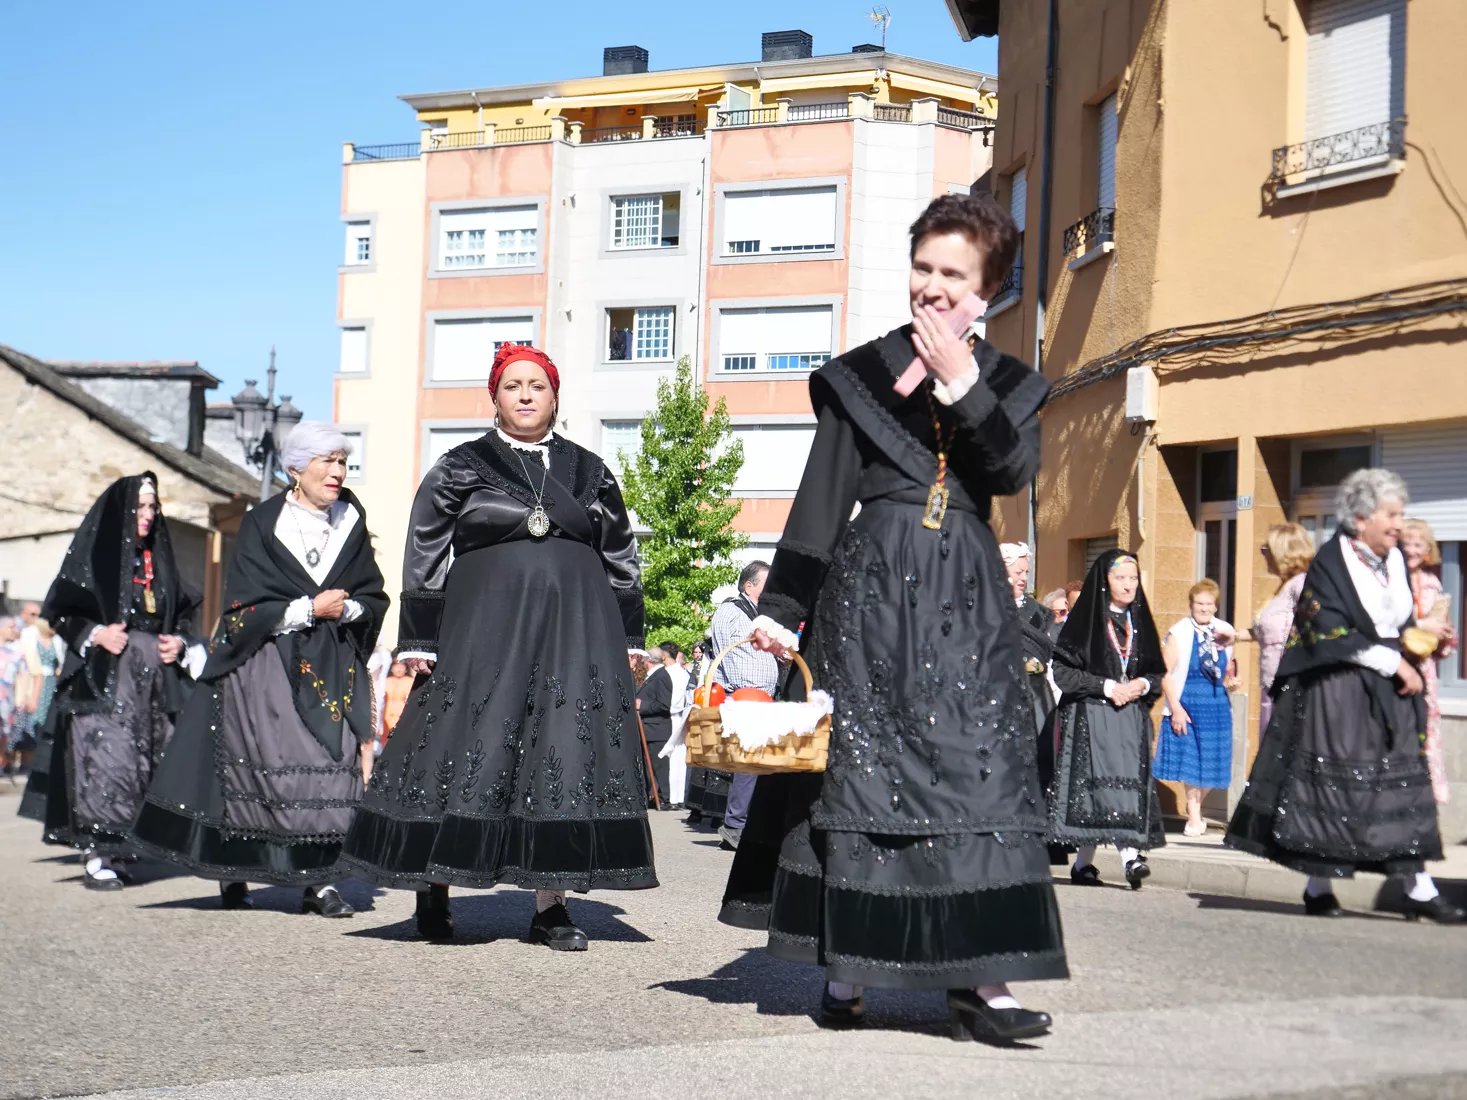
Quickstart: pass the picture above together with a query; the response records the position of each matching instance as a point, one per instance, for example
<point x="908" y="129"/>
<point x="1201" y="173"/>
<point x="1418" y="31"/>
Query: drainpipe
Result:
<point x="1046" y="192"/>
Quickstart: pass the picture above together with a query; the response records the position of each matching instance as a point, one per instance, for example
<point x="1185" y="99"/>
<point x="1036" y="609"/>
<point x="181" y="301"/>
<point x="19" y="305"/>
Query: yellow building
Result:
<point x="1257" y="279"/>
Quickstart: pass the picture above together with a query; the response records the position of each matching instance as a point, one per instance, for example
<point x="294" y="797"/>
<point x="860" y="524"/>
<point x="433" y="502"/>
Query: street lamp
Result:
<point x="262" y="426"/>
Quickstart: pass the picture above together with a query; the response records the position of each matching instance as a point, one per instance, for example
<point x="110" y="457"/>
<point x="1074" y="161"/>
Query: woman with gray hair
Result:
<point x="268" y="761"/>
<point x="1340" y="783"/>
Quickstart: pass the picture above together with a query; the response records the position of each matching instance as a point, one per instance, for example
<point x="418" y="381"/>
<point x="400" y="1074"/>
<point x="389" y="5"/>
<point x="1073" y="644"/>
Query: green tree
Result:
<point x="678" y="485"/>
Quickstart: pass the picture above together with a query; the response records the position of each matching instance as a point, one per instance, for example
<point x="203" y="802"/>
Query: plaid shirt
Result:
<point x="745" y="666"/>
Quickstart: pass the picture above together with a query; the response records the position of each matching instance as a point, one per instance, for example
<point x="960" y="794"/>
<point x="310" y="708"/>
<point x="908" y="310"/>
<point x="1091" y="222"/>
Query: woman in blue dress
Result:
<point x="1195" y="747"/>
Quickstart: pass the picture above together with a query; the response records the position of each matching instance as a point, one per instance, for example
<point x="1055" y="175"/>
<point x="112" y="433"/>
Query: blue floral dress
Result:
<point x="1203" y="756"/>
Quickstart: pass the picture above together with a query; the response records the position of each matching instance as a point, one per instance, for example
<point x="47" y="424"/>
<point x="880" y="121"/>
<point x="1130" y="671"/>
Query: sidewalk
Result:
<point x="1201" y="865"/>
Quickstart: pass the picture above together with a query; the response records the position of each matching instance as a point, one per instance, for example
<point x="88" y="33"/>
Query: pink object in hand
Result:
<point x="958" y="320"/>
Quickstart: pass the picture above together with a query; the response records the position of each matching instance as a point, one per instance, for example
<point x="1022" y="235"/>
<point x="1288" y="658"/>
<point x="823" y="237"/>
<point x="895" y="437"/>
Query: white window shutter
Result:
<point x="1019" y="197"/>
<point x="742" y="215"/>
<point x="1431" y="462"/>
<point x="355" y="456"/>
<point x="798" y="218"/>
<point x="1106" y="124"/>
<point x="798" y="330"/>
<point x="512" y="330"/>
<point x="463" y="351"/>
<point x="774" y="457"/>
<point x="740" y="332"/>
<point x="443" y="440"/>
<point x="513" y="217"/>
<point x="353" y="351"/>
<point x="1355" y="66"/>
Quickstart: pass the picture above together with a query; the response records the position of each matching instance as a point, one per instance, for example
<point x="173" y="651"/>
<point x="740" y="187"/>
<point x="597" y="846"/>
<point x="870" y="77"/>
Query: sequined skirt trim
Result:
<point x="206" y="849"/>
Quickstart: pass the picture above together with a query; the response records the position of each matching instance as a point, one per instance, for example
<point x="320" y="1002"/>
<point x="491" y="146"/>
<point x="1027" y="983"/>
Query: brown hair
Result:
<point x="1072" y="587"/>
<point x="986" y="225"/>
<point x="1205" y="587"/>
<point x="1291" y="547"/>
<point x="1423" y="529"/>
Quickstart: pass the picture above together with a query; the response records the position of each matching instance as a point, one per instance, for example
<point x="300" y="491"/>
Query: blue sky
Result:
<point x="172" y="182"/>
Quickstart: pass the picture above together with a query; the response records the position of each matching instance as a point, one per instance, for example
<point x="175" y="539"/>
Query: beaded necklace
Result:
<point x="1123" y="652"/>
<point x="1379" y="567"/>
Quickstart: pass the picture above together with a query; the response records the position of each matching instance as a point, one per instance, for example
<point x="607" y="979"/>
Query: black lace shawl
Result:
<point x="1034" y="621"/>
<point x="327" y="663"/>
<point x="1083" y="644"/>
<point x="95" y="588"/>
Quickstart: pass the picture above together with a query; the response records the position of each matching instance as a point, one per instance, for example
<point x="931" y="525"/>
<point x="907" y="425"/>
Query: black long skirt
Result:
<point x="519" y="760"/>
<point x="246" y="792"/>
<point x="1102" y="792"/>
<point x="1332" y="791"/>
<point x="91" y="773"/>
<point x="708" y="793"/>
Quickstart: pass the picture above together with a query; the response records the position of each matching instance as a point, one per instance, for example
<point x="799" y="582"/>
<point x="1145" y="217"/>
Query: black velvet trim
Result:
<point x="559" y="853"/>
<point x="632" y="606"/>
<point x="203" y="849"/>
<point x="794" y="582"/>
<point x="419" y="620"/>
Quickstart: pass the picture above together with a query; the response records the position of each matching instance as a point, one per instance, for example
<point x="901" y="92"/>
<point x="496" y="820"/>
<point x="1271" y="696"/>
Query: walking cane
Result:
<point x="647" y="756"/>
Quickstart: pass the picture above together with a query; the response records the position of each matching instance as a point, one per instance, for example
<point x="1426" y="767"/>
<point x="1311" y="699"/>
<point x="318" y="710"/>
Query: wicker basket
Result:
<point x="794" y="752"/>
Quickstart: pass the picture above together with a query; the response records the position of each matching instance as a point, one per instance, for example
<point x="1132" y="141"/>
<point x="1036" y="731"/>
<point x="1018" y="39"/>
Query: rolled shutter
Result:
<point x="1432" y="461"/>
<point x="1106" y="142"/>
<point x="1019" y="197"/>
<point x="1355" y="65"/>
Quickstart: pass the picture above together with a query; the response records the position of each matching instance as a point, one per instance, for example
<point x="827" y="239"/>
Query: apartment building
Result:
<point x="750" y="216"/>
<point x="1257" y="276"/>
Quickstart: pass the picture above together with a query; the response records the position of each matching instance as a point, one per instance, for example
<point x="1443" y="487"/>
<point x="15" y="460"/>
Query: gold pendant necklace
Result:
<point x="937" y="495"/>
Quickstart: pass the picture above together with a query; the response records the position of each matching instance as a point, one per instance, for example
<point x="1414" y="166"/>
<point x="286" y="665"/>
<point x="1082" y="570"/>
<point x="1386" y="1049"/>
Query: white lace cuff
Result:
<point x="787" y="638"/>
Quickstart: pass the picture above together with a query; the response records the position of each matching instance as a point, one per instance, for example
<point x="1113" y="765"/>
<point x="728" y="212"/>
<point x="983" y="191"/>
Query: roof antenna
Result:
<point x="880" y="16"/>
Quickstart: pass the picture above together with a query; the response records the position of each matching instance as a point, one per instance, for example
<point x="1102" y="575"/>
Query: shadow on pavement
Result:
<point x="1283" y="908"/>
<point x="483" y="917"/>
<point x="269" y="899"/>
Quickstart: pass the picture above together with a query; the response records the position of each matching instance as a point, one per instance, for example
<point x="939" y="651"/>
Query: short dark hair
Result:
<point x="670" y="648"/>
<point x="984" y="222"/>
<point x="752" y="572"/>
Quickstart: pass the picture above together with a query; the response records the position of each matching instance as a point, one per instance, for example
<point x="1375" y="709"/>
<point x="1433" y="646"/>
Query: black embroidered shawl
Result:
<point x="1083" y="644"/>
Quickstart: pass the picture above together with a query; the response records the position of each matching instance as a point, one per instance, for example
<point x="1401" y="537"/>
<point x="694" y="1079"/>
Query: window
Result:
<point x="505" y="236"/>
<point x="1218" y="477"/>
<point x="356" y="458"/>
<point x="645" y="221"/>
<point x="443" y="440"/>
<point x="774" y="338"/>
<point x="642" y="333"/>
<point x="1096" y="547"/>
<point x="1326" y="467"/>
<point x="358" y="244"/>
<point x="620" y="437"/>
<point x="1105" y="178"/>
<point x="1355" y="65"/>
<point x="353" y="350"/>
<point x="1019" y="197"/>
<point x="462" y="350"/>
<point x="794" y="219"/>
<point x="774" y="457"/>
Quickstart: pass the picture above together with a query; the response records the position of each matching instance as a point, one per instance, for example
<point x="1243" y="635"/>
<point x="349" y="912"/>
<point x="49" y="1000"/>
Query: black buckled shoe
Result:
<point x="434" y="920"/>
<point x="1137" y="872"/>
<point x="102" y="880"/>
<point x="555" y="929"/>
<point x="235" y="895"/>
<point x="1322" y="905"/>
<point x="971" y="1017"/>
<point x="1438" y="909"/>
<point x="1088" y="875"/>
<point x="839" y="1014"/>
<point x="326" y="902"/>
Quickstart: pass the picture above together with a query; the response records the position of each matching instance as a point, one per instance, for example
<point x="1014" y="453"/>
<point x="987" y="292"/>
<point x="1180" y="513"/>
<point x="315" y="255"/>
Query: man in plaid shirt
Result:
<point x="744" y="667"/>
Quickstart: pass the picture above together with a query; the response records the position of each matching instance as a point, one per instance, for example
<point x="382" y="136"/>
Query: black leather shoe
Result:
<point x="1438" y="909"/>
<point x="1089" y="875"/>
<point x="434" y="920"/>
<point x="235" y="895"/>
<point x="325" y="902"/>
<point x="104" y="882"/>
<point x="1322" y="905"/>
<point x="970" y="1017"/>
<point x="1137" y="872"/>
<point x="555" y="929"/>
<point x="836" y="1013"/>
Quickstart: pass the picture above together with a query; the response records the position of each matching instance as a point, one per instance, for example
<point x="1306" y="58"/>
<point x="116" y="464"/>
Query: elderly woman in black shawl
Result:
<point x="1340" y="783"/>
<point x="917" y="861"/>
<point x="1109" y="667"/>
<point x="267" y="763"/>
<point x="123" y="611"/>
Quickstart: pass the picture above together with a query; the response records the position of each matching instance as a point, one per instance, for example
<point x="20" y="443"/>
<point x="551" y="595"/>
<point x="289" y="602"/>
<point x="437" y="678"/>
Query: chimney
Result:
<point x="866" y="47"/>
<point x="621" y="60"/>
<point x="787" y="45"/>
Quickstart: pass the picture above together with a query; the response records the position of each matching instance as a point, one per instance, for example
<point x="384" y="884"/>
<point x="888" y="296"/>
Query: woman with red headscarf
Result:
<point x="518" y="758"/>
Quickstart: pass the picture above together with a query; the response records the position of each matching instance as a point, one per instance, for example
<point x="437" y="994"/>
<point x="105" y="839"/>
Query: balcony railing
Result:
<point x="405" y="150"/>
<point x="468" y="139"/>
<point x="892" y="112"/>
<point x="967" y="120"/>
<point x="809" y="112"/>
<point x="1378" y="141"/>
<point x="473" y="139"/>
<point x="1090" y="232"/>
<point x="757" y="116"/>
<point x="598" y="134"/>
<point x="1013" y="284"/>
<point x="682" y="126"/>
<point x="520" y="135"/>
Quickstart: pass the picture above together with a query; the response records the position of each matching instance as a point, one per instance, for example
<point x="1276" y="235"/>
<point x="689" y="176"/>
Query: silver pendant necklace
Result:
<point x="313" y="553"/>
<point x="539" y="522"/>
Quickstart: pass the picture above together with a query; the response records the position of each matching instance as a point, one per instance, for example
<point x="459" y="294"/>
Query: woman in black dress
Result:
<point x="123" y="611"/>
<point x="519" y="760"/>
<point x="1036" y="623"/>
<point x="917" y="860"/>
<point x="266" y="764"/>
<point x="1109" y="667"/>
<point x="1340" y="783"/>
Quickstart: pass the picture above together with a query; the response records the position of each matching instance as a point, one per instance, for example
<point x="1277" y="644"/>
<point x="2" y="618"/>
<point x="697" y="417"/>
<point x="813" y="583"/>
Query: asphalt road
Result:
<point x="156" y="991"/>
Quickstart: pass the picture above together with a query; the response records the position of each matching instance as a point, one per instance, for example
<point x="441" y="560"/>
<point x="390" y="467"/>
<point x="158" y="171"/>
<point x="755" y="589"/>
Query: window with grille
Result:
<point x="358" y="244"/>
<point x="775" y="338"/>
<point x="645" y="221"/>
<point x="506" y="236"/>
<point x="641" y="333"/>
<point x="356" y="457"/>
<point x="618" y="438"/>
<point x="779" y="220"/>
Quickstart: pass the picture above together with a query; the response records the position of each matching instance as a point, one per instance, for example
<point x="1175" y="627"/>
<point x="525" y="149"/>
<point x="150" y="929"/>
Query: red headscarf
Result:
<point x="512" y="353"/>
